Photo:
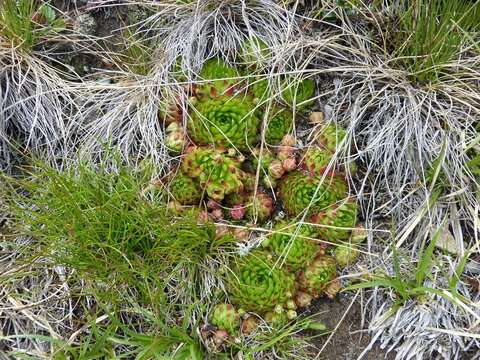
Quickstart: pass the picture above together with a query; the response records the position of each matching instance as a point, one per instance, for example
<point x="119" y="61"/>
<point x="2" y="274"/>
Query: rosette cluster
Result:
<point x="242" y="184"/>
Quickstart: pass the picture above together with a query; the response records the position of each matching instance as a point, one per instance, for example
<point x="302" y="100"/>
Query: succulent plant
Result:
<point x="316" y="276"/>
<point x="249" y="325"/>
<point x="169" y="112"/>
<point x="337" y="221"/>
<point x="253" y="50"/>
<point x="276" y="319"/>
<point x="332" y="288"/>
<point x="217" y="173"/>
<point x="256" y="284"/>
<point x="315" y="161"/>
<point x="330" y="136"/>
<point x="185" y="190"/>
<point x="303" y="299"/>
<point x="263" y="159"/>
<point x="225" y="317"/>
<point x="289" y="164"/>
<point x="259" y="87"/>
<point x="359" y="235"/>
<point x="221" y="79"/>
<point x="259" y="206"/>
<point x="295" y="248"/>
<point x="175" y="138"/>
<point x="224" y="121"/>
<point x="299" y="191"/>
<point x="276" y="169"/>
<point x="345" y="255"/>
<point x="237" y="212"/>
<point x="298" y="92"/>
<point x="279" y="124"/>
<point x="175" y="141"/>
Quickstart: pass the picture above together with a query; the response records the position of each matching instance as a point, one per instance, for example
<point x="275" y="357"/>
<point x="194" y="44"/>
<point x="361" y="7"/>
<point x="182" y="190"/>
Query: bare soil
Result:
<point x="349" y="339"/>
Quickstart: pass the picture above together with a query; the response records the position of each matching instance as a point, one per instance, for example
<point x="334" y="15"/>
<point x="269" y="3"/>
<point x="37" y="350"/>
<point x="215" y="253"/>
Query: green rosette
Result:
<point x="296" y="248"/>
<point x="221" y="79"/>
<point x="256" y="284"/>
<point x="224" y="121"/>
<point x="315" y="161"/>
<point x="185" y="190"/>
<point x="217" y="173"/>
<point x="260" y="89"/>
<point x="330" y="136"/>
<point x="298" y="191"/>
<point x="263" y="161"/>
<point x="278" y="126"/>
<point x="298" y="92"/>
<point x="345" y="256"/>
<point x="337" y="221"/>
<point x="254" y="50"/>
<point x="316" y="276"/>
<point x="225" y="317"/>
<point x="259" y="206"/>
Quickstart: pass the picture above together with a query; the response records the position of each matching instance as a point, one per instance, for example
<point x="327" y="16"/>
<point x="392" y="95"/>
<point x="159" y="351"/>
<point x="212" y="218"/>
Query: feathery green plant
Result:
<point x="429" y="34"/>
<point x="112" y="226"/>
<point x="26" y="22"/>
<point x="412" y="285"/>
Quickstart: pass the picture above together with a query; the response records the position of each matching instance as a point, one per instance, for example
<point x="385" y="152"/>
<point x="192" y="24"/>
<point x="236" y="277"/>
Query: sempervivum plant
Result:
<point x="225" y="317"/>
<point x="298" y="92"/>
<point x="254" y="50"/>
<point x="299" y="191"/>
<point x="337" y="221"/>
<point x="185" y="190"/>
<point x="292" y="245"/>
<point x="315" y="161"/>
<point x="225" y="121"/>
<point x="279" y="124"/>
<point x="345" y="255"/>
<point x="259" y="206"/>
<point x="317" y="275"/>
<point x="221" y="79"/>
<point x="330" y="136"/>
<point x="256" y="284"/>
<point x="216" y="172"/>
<point x="260" y="89"/>
<point x="262" y="158"/>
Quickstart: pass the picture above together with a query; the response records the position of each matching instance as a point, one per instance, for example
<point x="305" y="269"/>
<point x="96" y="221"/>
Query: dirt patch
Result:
<point x="350" y="339"/>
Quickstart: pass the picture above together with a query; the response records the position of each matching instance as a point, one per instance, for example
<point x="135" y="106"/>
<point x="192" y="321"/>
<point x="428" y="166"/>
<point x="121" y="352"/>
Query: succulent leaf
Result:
<point x="254" y="50"/>
<point x="316" y="161"/>
<point x="345" y="255"/>
<point x="263" y="159"/>
<point x="330" y="136"/>
<point x="260" y="89"/>
<point x="276" y="320"/>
